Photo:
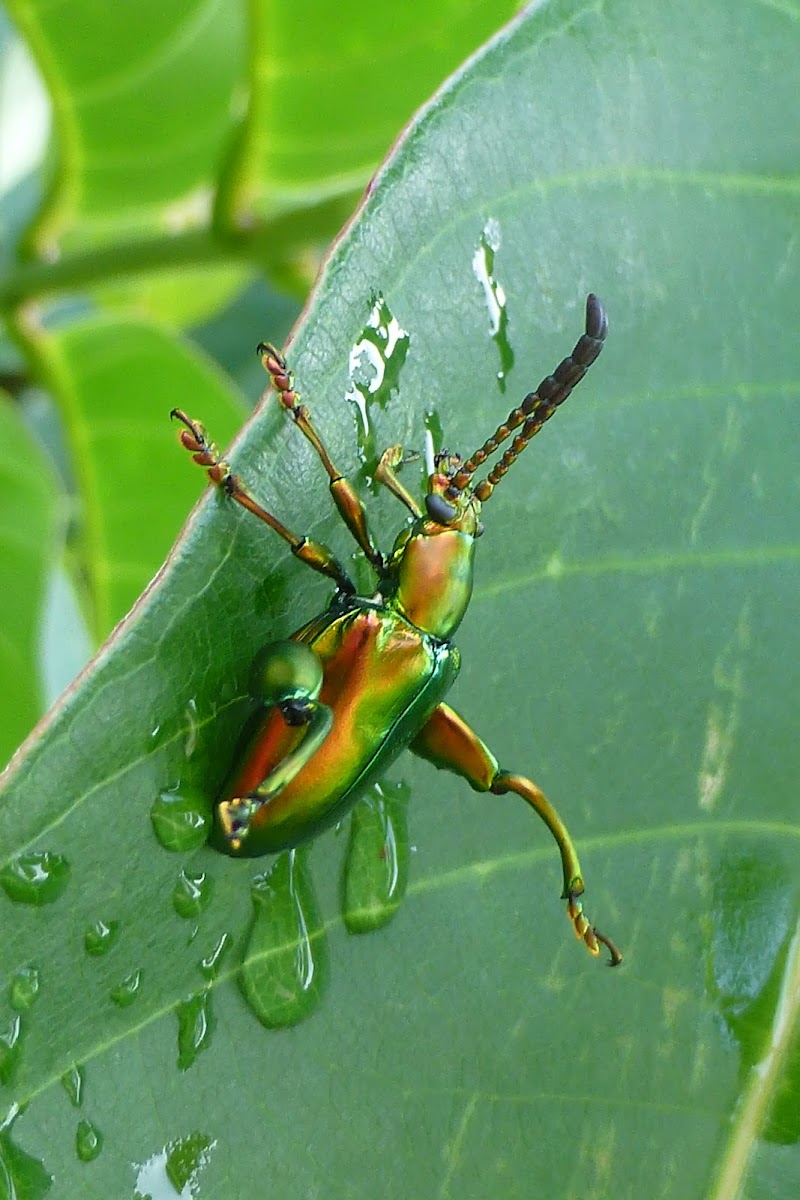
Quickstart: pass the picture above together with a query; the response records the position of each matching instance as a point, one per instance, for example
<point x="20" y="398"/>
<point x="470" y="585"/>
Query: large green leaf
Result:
<point x="292" y="98"/>
<point x="329" y="89"/>
<point x="28" y="512"/>
<point x="143" y="109"/>
<point x="631" y="643"/>
<point x="117" y="380"/>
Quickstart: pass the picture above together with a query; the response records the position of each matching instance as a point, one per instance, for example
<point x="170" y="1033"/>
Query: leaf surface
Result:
<point x="28" y="527"/>
<point x="629" y="645"/>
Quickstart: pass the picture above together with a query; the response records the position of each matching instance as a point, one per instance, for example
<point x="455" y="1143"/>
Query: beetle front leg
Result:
<point x="288" y="677"/>
<point x="448" y="742"/>
<point x="193" y="438"/>
<point x="385" y="473"/>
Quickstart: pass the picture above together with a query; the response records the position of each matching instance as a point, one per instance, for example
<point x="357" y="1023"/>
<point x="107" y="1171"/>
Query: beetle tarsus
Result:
<point x="585" y="932"/>
<point x="234" y="817"/>
<point x="195" y="439"/>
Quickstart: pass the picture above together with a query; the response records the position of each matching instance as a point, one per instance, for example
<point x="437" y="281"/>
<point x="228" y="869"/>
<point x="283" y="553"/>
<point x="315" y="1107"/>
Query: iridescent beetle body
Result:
<point x="357" y="685"/>
<point x="382" y="679"/>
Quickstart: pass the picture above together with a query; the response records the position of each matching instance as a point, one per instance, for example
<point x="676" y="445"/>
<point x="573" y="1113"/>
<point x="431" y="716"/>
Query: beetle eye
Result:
<point x="439" y="510"/>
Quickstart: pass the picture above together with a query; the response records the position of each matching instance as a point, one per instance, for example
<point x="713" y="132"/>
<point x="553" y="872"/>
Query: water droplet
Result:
<point x="10" y="1047"/>
<point x="191" y="894"/>
<point x="21" y="1175"/>
<point x="126" y="992"/>
<point x="72" y="1083"/>
<point x="209" y="966"/>
<point x="181" y="820"/>
<point x="172" y="1173"/>
<point x="24" y="988"/>
<point x="193" y="728"/>
<point x="36" y="878"/>
<point x="285" y="962"/>
<point x="100" y="937"/>
<point x="376" y="360"/>
<point x="483" y="266"/>
<point x="433" y="426"/>
<point x="195" y="1026"/>
<point x="88" y="1141"/>
<point x="376" y="866"/>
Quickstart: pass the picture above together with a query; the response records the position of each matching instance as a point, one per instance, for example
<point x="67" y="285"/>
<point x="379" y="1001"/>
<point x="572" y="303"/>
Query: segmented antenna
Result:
<point x="536" y="408"/>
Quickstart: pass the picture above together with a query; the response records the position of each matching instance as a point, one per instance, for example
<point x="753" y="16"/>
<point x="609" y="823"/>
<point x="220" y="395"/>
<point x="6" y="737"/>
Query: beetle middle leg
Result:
<point x="448" y="742"/>
<point x="288" y="676"/>
<point x="344" y="495"/>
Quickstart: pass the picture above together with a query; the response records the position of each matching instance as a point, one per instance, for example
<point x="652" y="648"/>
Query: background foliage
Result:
<point x="630" y="643"/>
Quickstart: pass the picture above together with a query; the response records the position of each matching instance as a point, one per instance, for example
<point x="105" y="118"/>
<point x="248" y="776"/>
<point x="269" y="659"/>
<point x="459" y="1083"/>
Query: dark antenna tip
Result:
<point x="596" y="319"/>
<point x="537" y="407"/>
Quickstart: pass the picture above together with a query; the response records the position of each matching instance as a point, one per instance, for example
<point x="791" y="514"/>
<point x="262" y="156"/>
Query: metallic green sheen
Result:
<point x="433" y="568"/>
<point x="383" y="677"/>
<point x="287" y="671"/>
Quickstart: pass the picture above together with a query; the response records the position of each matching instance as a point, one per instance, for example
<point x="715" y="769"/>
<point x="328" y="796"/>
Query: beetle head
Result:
<point x="459" y="510"/>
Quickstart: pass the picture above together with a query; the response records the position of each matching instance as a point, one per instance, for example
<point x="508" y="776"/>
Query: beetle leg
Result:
<point x="237" y="814"/>
<point x="288" y="677"/>
<point x="345" y="497"/>
<point x="194" y="439"/>
<point x="448" y="742"/>
<point x="385" y="474"/>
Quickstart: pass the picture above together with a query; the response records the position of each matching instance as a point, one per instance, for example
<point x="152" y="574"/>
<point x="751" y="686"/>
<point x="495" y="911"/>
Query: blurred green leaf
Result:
<point x="629" y="644"/>
<point x="120" y="379"/>
<point x="290" y="101"/>
<point x="28" y="537"/>
<point x="329" y="89"/>
<point x="142" y="100"/>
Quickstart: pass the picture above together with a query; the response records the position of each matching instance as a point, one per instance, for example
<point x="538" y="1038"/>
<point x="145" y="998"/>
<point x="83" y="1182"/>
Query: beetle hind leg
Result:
<point x="237" y="814"/>
<point x="504" y="782"/>
<point x="235" y="817"/>
<point x="448" y="742"/>
<point x="289" y="678"/>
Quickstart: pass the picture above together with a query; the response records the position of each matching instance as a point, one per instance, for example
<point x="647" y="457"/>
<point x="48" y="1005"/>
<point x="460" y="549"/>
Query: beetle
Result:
<point x="346" y="693"/>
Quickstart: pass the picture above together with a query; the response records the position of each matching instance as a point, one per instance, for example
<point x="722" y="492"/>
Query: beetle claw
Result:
<point x="585" y="932"/>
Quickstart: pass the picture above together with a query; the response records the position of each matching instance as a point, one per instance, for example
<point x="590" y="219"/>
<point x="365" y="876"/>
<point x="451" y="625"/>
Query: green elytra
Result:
<point x="366" y="679"/>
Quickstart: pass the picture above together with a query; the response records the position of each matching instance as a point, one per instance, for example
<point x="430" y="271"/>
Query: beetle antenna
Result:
<point x="537" y="407"/>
